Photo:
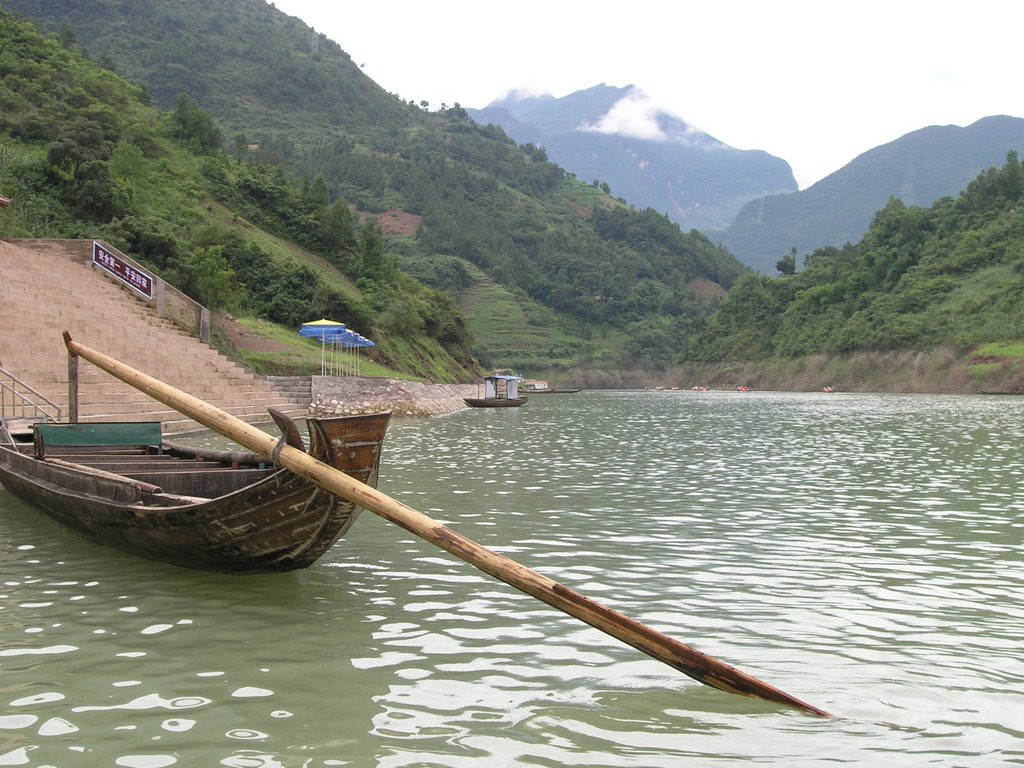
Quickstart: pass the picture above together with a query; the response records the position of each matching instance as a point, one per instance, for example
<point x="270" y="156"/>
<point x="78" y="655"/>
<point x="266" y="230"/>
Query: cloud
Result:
<point x="635" y="115"/>
<point x="524" y="92"/>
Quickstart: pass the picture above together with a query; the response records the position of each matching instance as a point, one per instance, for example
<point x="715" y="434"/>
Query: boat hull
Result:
<point x="494" y="402"/>
<point x="263" y="520"/>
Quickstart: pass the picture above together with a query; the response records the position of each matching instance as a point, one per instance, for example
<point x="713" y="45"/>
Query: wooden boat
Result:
<point x="494" y="402"/>
<point x="500" y="390"/>
<point x="227" y="511"/>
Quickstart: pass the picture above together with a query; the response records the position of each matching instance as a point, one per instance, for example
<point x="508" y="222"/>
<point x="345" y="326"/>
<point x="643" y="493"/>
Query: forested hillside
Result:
<point x="593" y="281"/>
<point x="82" y="156"/>
<point x="918" y="168"/>
<point x="951" y="274"/>
<point x="247" y="63"/>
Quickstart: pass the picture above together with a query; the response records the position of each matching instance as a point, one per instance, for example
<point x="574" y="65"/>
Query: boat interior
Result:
<point x="135" y="453"/>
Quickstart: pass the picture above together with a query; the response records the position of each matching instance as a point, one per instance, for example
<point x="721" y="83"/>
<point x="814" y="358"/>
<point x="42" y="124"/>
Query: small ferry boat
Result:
<point x="500" y="390"/>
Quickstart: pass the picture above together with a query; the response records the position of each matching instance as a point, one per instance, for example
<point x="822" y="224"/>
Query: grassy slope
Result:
<point x="514" y="326"/>
<point x="271" y="348"/>
<point x="281" y="250"/>
<point x="510" y="327"/>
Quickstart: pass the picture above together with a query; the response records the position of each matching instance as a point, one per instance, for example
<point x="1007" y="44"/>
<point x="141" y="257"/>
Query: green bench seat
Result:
<point x="96" y="434"/>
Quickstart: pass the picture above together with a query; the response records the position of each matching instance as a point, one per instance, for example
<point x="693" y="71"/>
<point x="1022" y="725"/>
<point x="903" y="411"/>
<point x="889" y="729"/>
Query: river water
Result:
<point x="861" y="552"/>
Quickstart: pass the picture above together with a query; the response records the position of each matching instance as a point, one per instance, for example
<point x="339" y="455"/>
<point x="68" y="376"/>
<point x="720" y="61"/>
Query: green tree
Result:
<point x="98" y="194"/>
<point x="787" y="264"/>
<point x="211" y="281"/>
<point x="314" y="193"/>
<point x="194" y="127"/>
<point x="81" y="141"/>
<point x="371" y="251"/>
<point x="338" y="235"/>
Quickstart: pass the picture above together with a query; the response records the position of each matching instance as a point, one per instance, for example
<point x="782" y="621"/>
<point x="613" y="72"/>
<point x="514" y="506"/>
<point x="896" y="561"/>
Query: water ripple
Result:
<point x="861" y="552"/>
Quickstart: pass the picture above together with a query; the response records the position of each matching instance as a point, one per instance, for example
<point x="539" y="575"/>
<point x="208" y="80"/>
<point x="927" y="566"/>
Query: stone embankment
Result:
<point x="347" y="396"/>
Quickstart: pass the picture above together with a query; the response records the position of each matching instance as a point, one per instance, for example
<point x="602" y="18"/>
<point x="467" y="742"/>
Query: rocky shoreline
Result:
<point x="353" y="395"/>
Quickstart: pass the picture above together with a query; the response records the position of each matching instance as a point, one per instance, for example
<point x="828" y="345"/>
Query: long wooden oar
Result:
<point x="687" y="660"/>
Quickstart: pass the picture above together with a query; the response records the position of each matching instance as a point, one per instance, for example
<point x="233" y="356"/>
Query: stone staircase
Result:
<point x="298" y="389"/>
<point x="43" y="292"/>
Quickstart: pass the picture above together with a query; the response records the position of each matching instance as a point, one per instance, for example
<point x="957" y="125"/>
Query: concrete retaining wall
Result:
<point x="349" y="395"/>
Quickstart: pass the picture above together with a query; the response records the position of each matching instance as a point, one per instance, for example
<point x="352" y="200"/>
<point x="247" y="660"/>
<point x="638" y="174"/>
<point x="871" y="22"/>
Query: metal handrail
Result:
<point x="20" y="402"/>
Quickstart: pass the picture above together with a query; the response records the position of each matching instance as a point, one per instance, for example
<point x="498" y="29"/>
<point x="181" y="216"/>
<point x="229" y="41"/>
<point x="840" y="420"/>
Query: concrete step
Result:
<point x="118" y="392"/>
<point x="46" y="292"/>
<point x="231" y="406"/>
<point x="162" y="412"/>
<point x="115" y="391"/>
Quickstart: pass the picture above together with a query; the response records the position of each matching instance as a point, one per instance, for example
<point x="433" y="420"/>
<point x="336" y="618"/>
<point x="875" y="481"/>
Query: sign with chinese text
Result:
<point x="122" y="270"/>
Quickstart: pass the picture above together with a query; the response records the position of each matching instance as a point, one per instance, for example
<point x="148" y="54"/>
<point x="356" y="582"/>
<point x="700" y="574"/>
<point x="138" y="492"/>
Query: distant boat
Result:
<point x="500" y="390"/>
<point x="541" y="387"/>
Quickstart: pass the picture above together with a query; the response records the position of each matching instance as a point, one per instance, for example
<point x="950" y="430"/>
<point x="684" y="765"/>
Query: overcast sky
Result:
<point x="813" y="82"/>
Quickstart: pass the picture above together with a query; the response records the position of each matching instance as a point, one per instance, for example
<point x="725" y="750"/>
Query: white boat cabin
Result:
<point x="501" y="386"/>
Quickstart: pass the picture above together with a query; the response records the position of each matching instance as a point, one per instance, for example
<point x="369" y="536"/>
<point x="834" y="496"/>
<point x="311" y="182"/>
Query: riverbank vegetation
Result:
<point x="949" y="277"/>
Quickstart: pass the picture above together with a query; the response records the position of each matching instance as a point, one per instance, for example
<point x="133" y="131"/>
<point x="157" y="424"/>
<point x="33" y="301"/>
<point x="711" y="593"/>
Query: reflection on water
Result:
<point x="860" y="552"/>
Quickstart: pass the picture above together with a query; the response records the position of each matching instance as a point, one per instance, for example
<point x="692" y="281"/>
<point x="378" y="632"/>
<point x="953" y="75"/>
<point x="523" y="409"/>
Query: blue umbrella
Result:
<point x="338" y="336"/>
<point x="321" y="329"/>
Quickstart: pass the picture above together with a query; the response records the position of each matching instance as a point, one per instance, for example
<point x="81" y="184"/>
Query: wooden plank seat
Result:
<point x="113" y="435"/>
<point x="106" y="457"/>
<point x="133" y="451"/>
<point x="157" y="459"/>
<point x="98" y="450"/>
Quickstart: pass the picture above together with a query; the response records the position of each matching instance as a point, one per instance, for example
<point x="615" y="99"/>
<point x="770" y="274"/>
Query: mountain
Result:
<point x="422" y="221"/>
<point x="651" y="159"/>
<point x="918" y="169"/>
<point x="244" y="61"/>
<point x="945" y="277"/>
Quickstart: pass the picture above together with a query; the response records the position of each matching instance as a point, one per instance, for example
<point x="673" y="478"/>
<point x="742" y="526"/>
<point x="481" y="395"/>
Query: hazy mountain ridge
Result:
<point x="647" y="157"/>
<point x="681" y="175"/>
<point x="917" y="168"/>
